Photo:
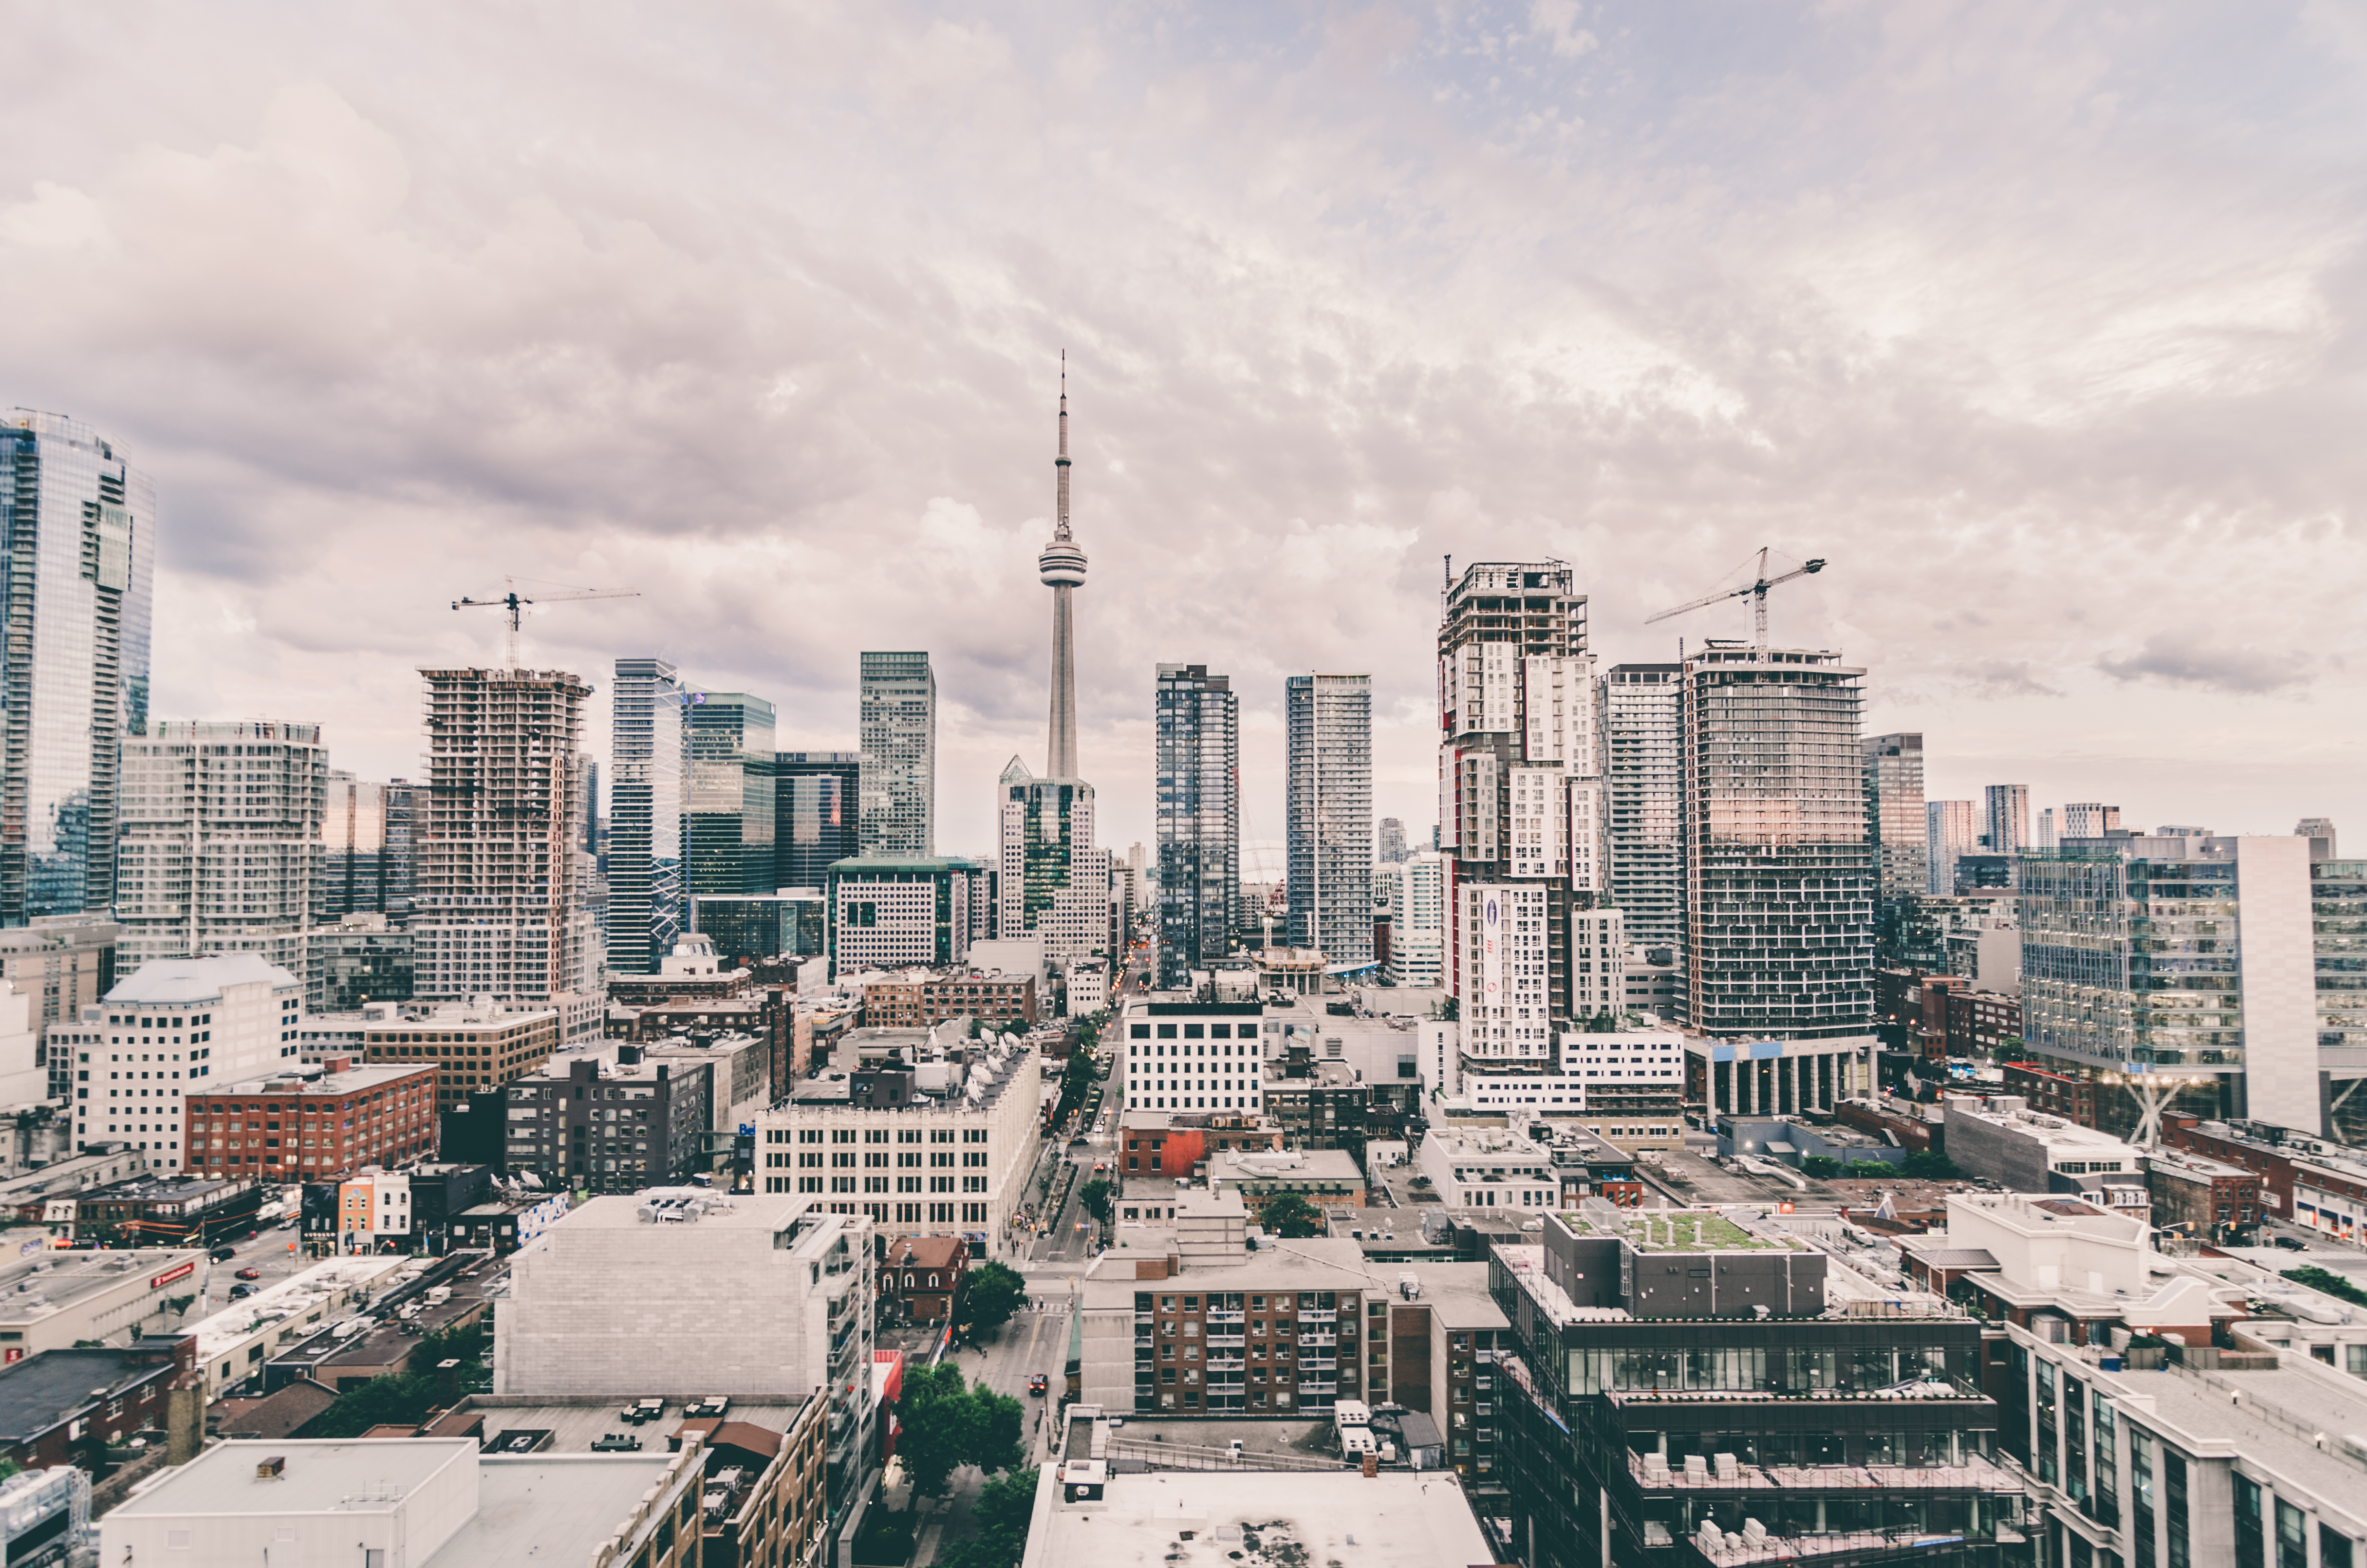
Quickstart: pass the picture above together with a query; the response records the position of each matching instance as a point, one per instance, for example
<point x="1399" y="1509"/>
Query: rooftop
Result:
<point x="291" y="1298"/>
<point x="572" y="1426"/>
<point x="1676" y="1230"/>
<point x="317" y="1478"/>
<point x="1285" y="1165"/>
<point x="311" y="1081"/>
<point x="42" y="1390"/>
<point x="173" y="982"/>
<point x="2271" y="1419"/>
<point x="1188" y="1519"/>
<point x="48" y="1282"/>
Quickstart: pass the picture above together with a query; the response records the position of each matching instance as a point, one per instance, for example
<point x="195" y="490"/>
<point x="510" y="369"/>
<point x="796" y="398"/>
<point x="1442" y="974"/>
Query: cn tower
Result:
<point x="1062" y="565"/>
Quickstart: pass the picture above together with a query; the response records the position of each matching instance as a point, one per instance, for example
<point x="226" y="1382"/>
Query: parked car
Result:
<point x="250" y="1273"/>
<point x="1038" y="1384"/>
<point x="2292" y="1243"/>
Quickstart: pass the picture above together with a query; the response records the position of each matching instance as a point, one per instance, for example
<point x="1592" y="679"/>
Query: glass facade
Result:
<point x="817" y="816"/>
<point x="1895" y="822"/>
<point x="1053" y="882"/>
<point x="751" y="928"/>
<point x="2339" y="917"/>
<point x="1329" y="812"/>
<point x="645" y="815"/>
<point x="78" y="526"/>
<point x="1198" y="719"/>
<point x="726" y="840"/>
<point x="1779" y="879"/>
<point x="897" y="704"/>
<point x="1643" y="743"/>
<point x="365" y="859"/>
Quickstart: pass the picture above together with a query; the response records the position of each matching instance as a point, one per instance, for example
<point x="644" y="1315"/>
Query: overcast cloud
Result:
<point x="2042" y="323"/>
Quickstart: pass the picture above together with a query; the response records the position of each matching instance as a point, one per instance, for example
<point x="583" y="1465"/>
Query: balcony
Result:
<point x="1216" y="1317"/>
<point x="1315" y="1336"/>
<point x="1317" y="1314"/>
<point x="1227" y="1341"/>
<point x="1226" y="1363"/>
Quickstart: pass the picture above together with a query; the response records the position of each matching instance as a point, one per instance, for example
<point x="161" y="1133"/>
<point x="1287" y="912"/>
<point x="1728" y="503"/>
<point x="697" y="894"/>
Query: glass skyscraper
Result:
<point x="726" y="793"/>
<point x="1895" y="820"/>
<point x="1199" y="817"/>
<point x="366" y="838"/>
<point x="645" y="812"/>
<point x="1779" y="879"/>
<point x="898" y="735"/>
<point x="79" y="526"/>
<point x="817" y="814"/>
<point x="1329" y="808"/>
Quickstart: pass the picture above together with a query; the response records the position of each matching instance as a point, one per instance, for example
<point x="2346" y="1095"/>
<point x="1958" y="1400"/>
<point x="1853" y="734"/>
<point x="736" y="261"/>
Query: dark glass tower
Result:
<point x="728" y="793"/>
<point x="645" y="815"/>
<point x="817" y="814"/>
<point x="1199" y="817"/>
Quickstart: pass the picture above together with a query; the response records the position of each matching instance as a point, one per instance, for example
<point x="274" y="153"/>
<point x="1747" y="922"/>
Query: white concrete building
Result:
<point x="221" y="846"/>
<point x="1418" y="921"/>
<point x="25" y="1076"/>
<point x="1502" y="974"/>
<point x="921" y="1131"/>
<point x="226" y="1018"/>
<point x="2005" y="1141"/>
<point x="51" y="1299"/>
<point x="1194" y="1055"/>
<point x="425" y="1503"/>
<point x="1598" y="963"/>
<point x="234" y="1342"/>
<point x="1054" y="884"/>
<point x="1489" y="1169"/>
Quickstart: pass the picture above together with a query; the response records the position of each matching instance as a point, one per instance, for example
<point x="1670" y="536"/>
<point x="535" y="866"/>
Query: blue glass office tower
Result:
<point x="726" y="793"/>
<point x="817" y="814"/>
<point x="645" y="815"/>
<point x="78" y="529"/>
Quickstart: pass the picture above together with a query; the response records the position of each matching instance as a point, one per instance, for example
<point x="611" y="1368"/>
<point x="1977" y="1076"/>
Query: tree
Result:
<point x="1822" y="1167"/>
<point x="1288" y="1215"/>
<point x="990" y="1295"/>
<point x="1096" y="1197"/>
<point x="1929" y="1164"/>
<point x="1004" y="1510"/>
<point x="943" y="1426"/>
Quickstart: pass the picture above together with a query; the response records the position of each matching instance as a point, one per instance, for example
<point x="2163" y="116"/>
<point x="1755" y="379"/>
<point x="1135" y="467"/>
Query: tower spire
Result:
<point x="1062" y="568"/>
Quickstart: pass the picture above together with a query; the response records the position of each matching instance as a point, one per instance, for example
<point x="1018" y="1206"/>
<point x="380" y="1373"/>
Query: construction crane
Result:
<point x="515" y="602"/>
<point x="1757" y="590"/>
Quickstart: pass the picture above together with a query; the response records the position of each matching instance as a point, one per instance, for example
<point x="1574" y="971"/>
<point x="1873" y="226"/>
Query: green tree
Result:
<point x="991" y="1295"/>
<point x="1002" y="1432"/>
<point x="1929" y="1164"/>
<point x="1096" y="1196"/>
<point x="1004" y="1510"/>
<point x="1819" y="1168"/>
<point x="943" y="1426"/>
<point x="1288" y="1215"/>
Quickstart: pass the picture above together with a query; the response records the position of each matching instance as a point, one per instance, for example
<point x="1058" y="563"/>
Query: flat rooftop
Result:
<point x="48" y="1282"/>
<point x="351" y="1080"/>
<point x="549" y="1509"/>
<point x="2198" y="1402"/>
<point x="712" y="1210"/>
<point x="38" y="1393"/>
<point x="1678" y="1230"/>
<point x="291" y="1298"/>
<point x="320" y="1478"/>
<point x="1409" y="1518"/>
<point x="575" y="1423"/>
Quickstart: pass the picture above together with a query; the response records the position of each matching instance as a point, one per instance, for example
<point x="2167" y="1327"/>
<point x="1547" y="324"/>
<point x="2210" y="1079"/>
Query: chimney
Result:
<point x="448" y="1381"/>
<point x="1371" y="1466"/>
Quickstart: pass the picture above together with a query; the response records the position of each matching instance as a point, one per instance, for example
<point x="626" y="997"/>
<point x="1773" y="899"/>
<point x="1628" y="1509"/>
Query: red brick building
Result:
<point x="2056" y="1093"/>
<point x="321" y="1127"/>
<point x="924" y="1274"/>
<point x="2206" y="1198"/>
<point x="921" y="1001"/>
<point x="67" y="1406"/>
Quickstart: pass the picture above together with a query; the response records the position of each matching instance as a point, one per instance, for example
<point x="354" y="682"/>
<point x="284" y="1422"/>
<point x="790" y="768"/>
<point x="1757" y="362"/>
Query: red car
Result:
<point x="250" y="1274"/>
<point x="1038" y="1384"/>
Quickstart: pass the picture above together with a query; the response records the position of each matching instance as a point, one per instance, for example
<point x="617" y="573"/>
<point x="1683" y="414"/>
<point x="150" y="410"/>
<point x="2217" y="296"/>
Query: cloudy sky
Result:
<point x="2041" y="321"/>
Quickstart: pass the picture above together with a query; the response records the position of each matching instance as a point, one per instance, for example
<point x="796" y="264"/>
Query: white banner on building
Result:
<point x="1491" y="946"/>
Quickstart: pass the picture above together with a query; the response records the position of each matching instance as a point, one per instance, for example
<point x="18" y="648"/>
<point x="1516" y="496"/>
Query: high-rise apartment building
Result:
<point x="645" y="815"/>
<point x="366" y="848"/>
<point x="2090" y="819"/>
<point x="79" y="526"/>
<point x="1643" y="797"/>
<point x="2319" y="831"/>
<point x="899" y="770"/>
<point x="501" y="877"/>
<point x="1779" y="883"/>
<point x="2182" y="968"/>
<point x="728" y="825"/>
<point x="1389" y="841"/>
<point x="1894" y="815"/>
<point x="221" y="849"/>
<point x="1329" y="812"/>
<point x="1418" y="921"/>
<point x="1948" y="834"/>
<point x="2005" y="818"/>
<point x="2050" y="832"/>
<point x="817" y="816"/>
<point x="1520" y="803"/>
<point x="1198" y="806"/>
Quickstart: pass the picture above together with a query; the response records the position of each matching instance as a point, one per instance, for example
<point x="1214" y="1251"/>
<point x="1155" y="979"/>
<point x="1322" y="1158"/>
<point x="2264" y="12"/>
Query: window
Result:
<point x="2293" y="1537"/>
<point x="2250" y="1545"/>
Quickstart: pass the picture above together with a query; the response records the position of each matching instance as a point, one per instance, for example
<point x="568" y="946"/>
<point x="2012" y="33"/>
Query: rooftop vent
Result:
<point x="271" y="1468"/>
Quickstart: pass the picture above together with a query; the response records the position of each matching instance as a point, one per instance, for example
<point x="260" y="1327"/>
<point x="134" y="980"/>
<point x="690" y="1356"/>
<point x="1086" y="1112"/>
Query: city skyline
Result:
<point x="1556" y="329"/>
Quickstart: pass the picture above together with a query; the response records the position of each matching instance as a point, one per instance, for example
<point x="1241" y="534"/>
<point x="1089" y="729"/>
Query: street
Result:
<point x="277" y="1253"/>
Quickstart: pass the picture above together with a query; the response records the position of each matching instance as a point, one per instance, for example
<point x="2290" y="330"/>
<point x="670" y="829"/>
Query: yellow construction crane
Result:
<point x="515" y="602"/>
<point x="1756" y="589"/>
